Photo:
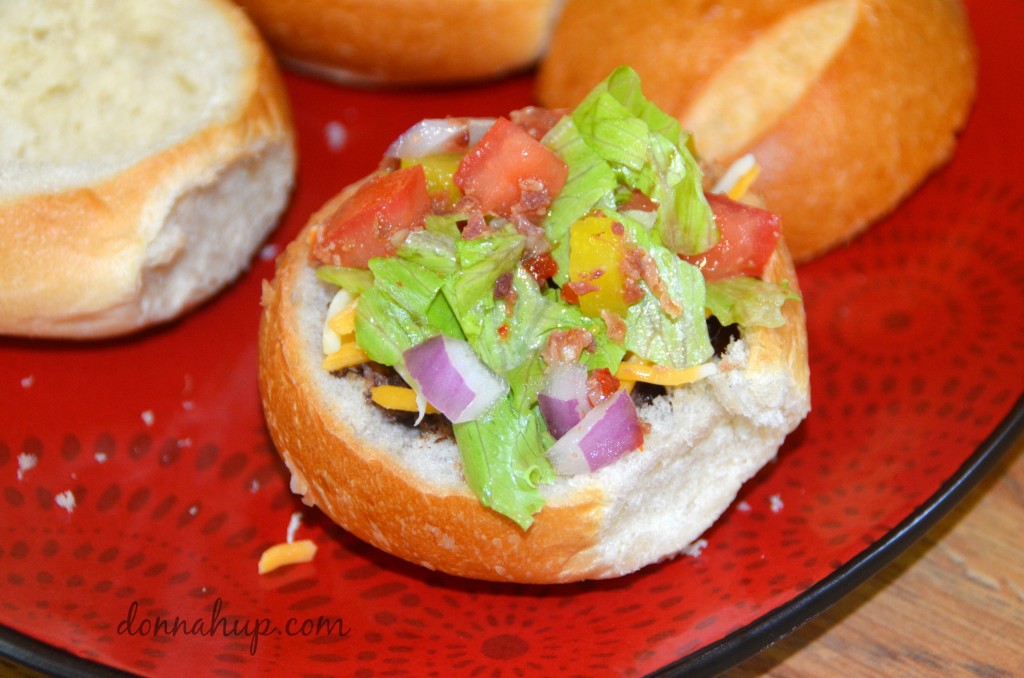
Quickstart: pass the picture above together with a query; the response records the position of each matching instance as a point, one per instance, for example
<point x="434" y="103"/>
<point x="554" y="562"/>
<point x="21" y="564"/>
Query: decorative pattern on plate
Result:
<point x="917" y="354"/>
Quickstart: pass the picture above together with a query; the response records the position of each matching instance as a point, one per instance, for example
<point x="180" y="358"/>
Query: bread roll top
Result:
<point x="147" y="148"/>
<point x="847" y="105"/>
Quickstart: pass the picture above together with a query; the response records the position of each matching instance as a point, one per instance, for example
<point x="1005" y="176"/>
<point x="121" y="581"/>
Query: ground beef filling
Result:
<point x="436" y="427"/>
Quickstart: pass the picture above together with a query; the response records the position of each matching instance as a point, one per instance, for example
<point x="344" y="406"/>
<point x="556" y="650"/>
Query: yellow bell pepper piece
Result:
<point x="439" y="169"/>
<point x="595" y="257"/>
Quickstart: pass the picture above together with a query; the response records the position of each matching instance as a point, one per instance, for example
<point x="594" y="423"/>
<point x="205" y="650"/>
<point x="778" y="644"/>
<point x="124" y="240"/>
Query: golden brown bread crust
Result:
<point x="403" y="42"/>
<point x="886" y="86"/>
<point x="361" y="487"/>
<point x="73" y="263"/>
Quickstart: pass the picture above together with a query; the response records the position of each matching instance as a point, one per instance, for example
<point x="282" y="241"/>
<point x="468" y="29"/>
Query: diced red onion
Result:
<point x="438" y="135"/>
<point x="605" y="433"/>
<point x="478" y="128"/>
<point x="452" y="378"/>
<point x="563" y="400"/>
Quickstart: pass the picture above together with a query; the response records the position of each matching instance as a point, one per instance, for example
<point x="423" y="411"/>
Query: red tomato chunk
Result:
<point x="748" y="236"/>
<point x="493" y="172"/>
<point x="380" y="212"/>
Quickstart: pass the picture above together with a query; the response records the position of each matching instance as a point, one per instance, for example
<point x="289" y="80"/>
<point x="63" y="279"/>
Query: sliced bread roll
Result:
<point x="401" y="489"/>
<point x="406" y="42"/>
<point x="147" y="150"/>
<point x="847" y="105"/>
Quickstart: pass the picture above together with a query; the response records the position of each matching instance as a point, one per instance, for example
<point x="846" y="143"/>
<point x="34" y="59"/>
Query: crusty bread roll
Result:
<point x="846" y="104"/>
<point x="146" y="151"/>
<point x="403" y="491"/>
<point x="406" y="42"/>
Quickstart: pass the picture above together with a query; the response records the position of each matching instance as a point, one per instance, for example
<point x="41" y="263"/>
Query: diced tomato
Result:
<point x="748" y="236"/>
<point x="601" y="381"/>
<point x="541" y="266"/>
<point x="569" y="295"/>
<point x="492" y="172"/>
<point x="364" y="226"/>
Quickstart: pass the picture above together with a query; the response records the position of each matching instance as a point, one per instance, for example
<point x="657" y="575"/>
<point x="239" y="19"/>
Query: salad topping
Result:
<point x="521" y="274"/>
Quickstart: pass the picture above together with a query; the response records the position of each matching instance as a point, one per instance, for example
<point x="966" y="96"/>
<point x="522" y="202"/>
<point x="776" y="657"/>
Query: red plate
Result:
<point x="917" y="361"/>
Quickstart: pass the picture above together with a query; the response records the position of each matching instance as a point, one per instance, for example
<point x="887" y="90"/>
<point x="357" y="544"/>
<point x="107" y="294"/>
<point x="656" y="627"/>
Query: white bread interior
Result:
<point x="147" y="150"/>
<point x="404" y="492"/>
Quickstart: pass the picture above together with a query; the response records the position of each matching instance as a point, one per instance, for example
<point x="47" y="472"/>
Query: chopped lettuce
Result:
<point x="433" y="250"/>
<point x="749" y="302"/>
<point x="352" y="280"/>
<point x="503" y="459"/>
<point x="673" y="340"/>
<point x="445" y="224"/>
<point x="616" y="142"/>
<point x="590" y="184"/>
<point x="648" y="151"/>
<point x="402" y="309"/>
<point x="534" y="316"/>
<point x="481" y="261"/>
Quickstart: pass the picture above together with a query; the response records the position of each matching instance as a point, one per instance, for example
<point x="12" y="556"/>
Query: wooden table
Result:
<point x="952" y="605"/>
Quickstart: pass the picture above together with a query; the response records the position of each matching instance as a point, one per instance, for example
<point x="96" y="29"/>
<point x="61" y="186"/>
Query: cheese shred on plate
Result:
<point x="287" y="553"/>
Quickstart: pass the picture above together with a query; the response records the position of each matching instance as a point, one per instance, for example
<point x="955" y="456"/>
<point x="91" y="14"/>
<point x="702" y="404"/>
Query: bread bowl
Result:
<point x="147" y="152"/>
<point x="404" y="42"/>
<point x="411" y="491"/>
<point x="847" y="105"/>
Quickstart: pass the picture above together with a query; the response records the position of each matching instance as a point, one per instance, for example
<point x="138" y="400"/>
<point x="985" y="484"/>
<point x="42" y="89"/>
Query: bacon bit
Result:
<point x="640" y="203"/>
<point x="503" y="331"/>
<point x="615" y="324"/>
<point x="537" y="121"/>
<point x="476" y="226"/>
<point x="631" y="268"/>
<point x="536" y="239"/>
<point x="566" y="346"/>
<point x="503" y="285"/>
<point x="637" y="265"/>
<point x="581" y="287"/>
<point x="534" y="199"/>
<point x="654" y="281"/>
<point x="601" y="384"/>
<point x="439" y="204"/>
<point x="569" y="296"/>
<point x="618" y="228"/>
<point x="541" y="266"/>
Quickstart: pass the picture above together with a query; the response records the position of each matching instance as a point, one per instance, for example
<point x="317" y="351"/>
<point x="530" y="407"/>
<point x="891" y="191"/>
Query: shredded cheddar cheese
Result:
<point x="738" y="178"/>
<point x="739" y="189"/>
<point x="663" y="376"/>
<point x="287" y="553"/>
<point x="344" y="322"/>
<point x="397" y="398"/>
<point x="350" y="354"/>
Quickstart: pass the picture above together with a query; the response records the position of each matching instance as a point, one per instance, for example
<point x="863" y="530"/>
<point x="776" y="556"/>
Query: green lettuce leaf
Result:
<point x="402" y="309"/>
<point x="749" y="302"/>
<point x="648" y="151"/>
<point x="352" y="280"/>
<point x="653" y="334"/>
<point x="503" y="459"/>
<point x="433" y="250"/>
<point x="470" y="289"/>
<point x="590" y="184"/>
